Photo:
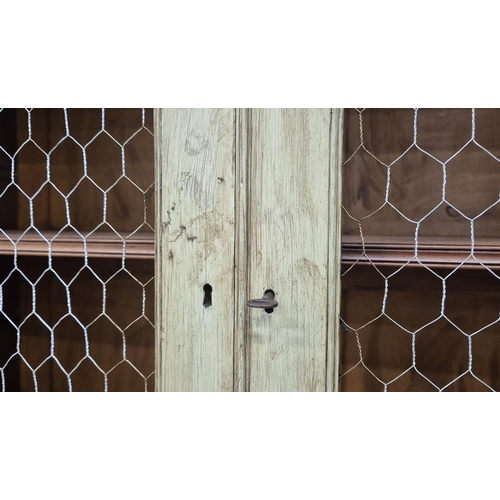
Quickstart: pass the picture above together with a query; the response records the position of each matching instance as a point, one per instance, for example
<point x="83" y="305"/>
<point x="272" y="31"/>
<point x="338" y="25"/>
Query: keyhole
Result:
<point x="207" y="298"/>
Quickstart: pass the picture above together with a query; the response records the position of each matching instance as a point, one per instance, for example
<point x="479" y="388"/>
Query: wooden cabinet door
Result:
<point x="247" y="201"/>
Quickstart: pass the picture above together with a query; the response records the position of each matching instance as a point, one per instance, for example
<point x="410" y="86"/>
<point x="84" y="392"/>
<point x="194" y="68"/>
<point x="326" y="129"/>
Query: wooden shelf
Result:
<point x="70" y="244"/>
<point x="433" y="252"/>
<point x="381" y="251"/>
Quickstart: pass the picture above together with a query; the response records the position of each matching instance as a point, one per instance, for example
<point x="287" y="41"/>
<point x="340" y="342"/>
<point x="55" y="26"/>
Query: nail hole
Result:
<point x="207" y="298"/>
<point x="271" y="293"/>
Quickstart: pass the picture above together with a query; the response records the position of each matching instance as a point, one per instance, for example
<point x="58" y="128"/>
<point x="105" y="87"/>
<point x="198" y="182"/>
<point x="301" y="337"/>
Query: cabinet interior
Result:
<point x="421" y="250"/>
<point x="77" y="249"/>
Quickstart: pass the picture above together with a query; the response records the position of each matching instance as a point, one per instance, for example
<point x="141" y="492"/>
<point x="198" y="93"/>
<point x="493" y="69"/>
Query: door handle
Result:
<point x="266" y="302"/>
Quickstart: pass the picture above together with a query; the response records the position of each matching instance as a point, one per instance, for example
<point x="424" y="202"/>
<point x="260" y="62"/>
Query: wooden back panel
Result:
<point x="446" y="179"/>
<point x="416" y="177"/>
<point x="104" y="168"/>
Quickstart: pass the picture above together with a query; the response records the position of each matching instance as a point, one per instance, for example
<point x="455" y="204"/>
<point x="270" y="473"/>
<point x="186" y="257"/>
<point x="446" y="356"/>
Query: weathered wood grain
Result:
<point x="288" y="221"/>
<point x="195" y="212"/>
<point x="241" y="248"/>
<point x="334" y="249"/>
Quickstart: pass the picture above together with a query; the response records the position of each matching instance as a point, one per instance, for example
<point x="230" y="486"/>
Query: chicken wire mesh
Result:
<point x="421" y="226"/>
<point x="76" y="249"/>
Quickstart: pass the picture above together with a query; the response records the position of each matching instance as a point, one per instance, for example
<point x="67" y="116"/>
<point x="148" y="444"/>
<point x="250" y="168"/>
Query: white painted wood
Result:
<point x="289" y="241"/>
<point x="247" y="200"/>
<point x="195" y="245"/>
<point x="241" y="251"/>
<point x="334" y="250"/>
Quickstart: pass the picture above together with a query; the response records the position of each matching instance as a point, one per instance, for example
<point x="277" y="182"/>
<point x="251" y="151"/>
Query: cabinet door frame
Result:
<point x="202" y="164"/>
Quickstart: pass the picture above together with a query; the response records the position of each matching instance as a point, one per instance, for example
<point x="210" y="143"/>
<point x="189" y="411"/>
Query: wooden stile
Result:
<point x="195" y="213"/>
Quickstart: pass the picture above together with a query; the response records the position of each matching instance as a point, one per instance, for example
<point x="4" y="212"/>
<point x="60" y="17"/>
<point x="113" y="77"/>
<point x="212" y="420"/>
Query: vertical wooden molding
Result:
<point x="241" y="250"/>
<point x="159" y="249"/>
<point x="195" y="219"/>
<point x="334" y="251"/>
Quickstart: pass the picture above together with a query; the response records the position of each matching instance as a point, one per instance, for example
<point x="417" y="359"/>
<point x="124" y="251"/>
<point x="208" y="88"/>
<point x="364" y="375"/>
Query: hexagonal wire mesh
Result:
<point x="76" y="249"/>
<point x="421" y="225"/>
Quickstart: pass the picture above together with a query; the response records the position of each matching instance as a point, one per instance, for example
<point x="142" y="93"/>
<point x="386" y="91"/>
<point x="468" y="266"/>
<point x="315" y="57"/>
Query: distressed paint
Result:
<point x="288" y="234"/>
<point x="247" y="199"/>
<point x="243" y="141"/>
<point x="195" y="246"/>
<point x="334" y="250"/>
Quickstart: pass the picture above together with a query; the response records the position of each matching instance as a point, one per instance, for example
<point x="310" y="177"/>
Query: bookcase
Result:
<point x="249" y="202"/>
